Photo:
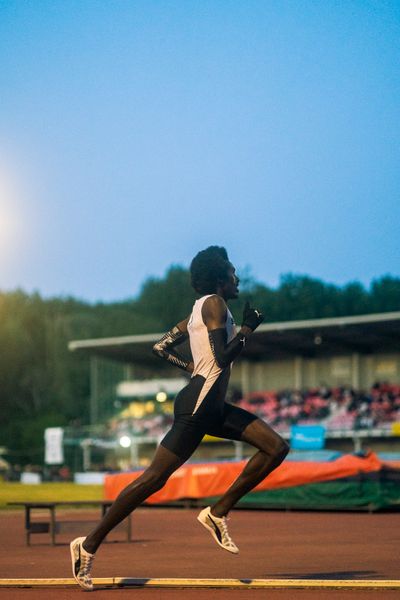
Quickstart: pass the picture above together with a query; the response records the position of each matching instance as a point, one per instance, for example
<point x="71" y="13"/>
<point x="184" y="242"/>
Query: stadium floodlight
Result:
<point x="125" y="441"/>
<point x="161" y="397"/>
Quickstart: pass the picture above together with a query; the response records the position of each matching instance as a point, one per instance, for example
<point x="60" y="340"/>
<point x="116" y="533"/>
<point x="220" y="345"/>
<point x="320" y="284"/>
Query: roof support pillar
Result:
<point x="298" y="372"/>
<point x="355" y="371"/>
<point x="312" y="379"/>
<point x="94" y="390"/>
<point x="245" y="376"/>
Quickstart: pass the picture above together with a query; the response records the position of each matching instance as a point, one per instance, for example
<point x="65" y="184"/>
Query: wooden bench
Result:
<point x="54" y="526"/>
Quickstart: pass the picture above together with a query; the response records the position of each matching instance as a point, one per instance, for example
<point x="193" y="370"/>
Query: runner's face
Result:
<point x="230" y="287"/>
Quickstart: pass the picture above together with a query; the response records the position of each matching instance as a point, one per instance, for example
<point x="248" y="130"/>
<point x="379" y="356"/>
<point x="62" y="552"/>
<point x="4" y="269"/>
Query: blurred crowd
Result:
<point x="335" y="407"/>
<point x="149" y="426"/>
<point x="13" y="472"/>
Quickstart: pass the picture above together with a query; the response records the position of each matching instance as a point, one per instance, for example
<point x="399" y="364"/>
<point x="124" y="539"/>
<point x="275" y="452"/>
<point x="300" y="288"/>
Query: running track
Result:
<point x="170" y="543"/>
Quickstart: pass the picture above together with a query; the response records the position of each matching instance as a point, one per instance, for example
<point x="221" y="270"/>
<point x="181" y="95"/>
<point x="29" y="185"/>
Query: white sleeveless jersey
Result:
<point x="204" y="361"/>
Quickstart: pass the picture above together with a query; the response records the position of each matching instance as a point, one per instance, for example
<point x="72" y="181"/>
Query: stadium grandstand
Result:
<point x="342" y="373"/>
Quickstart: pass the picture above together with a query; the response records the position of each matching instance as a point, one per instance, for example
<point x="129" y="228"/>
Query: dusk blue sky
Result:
<point x="135" y="133"/>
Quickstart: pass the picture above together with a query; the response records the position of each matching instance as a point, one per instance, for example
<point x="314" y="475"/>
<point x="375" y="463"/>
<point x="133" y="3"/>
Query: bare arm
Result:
<point x="214" y="316"/>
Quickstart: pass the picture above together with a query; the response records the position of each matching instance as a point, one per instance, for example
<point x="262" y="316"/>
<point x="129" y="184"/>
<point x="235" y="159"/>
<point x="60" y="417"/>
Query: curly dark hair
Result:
<point x="208" y="268"/>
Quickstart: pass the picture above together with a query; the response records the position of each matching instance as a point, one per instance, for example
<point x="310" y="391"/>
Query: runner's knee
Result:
<point x="149" y="482"/>
<point x="154" y="480"/>
<point x="275" y="448"/>
<point x="281" y="449"/>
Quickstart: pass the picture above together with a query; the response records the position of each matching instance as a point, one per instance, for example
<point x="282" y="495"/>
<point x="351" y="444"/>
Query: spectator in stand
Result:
<point x="339" y="408"/>
<point x="65" y="473"/>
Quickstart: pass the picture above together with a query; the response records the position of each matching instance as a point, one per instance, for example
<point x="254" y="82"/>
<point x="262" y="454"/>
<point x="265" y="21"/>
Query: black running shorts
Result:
<point x="214" y="417"/>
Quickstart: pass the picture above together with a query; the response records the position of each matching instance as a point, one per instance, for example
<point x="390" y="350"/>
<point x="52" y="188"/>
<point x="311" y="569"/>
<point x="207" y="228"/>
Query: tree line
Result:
<point x="42" y="384"/>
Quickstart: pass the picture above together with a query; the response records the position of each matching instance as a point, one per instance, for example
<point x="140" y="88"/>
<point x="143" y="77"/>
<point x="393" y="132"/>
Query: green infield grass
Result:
<point x="47" y="492"/>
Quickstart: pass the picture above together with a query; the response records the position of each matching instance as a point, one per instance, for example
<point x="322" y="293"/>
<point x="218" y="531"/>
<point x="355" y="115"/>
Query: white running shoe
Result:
<point x="81" y="563"/>
<point x="219" y="529"/>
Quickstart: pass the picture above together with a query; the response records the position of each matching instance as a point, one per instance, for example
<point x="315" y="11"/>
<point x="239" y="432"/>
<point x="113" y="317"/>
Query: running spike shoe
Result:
<point x="219" y="530"/>
<point x="81" y="564"/>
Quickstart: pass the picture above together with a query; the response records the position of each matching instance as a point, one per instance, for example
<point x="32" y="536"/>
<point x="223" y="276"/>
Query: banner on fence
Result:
<point x="307" y="437"/>
<point x="53" y="440"/>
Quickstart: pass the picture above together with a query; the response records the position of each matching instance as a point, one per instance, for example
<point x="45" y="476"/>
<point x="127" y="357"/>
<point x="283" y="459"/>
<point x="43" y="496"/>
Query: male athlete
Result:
<point x="200" y="408"/>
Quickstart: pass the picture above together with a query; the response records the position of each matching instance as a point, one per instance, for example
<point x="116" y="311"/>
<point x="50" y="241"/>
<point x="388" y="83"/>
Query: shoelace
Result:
<point x="86" y="564"/>
<point x="225" y="534"/>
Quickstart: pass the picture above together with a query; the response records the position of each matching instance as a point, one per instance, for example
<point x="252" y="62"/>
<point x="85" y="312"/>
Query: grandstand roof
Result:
<point x="315" y="337"/>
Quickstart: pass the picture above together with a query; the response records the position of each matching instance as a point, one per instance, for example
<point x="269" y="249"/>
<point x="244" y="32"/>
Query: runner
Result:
<point x="200" y="408"/>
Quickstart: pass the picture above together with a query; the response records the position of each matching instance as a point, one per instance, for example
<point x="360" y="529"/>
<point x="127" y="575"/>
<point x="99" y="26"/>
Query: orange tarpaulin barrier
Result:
<point x="213" y="479"/>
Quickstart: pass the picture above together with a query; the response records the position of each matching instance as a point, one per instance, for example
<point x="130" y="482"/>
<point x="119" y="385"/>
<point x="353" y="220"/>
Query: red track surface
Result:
<point x="171" y="543"/>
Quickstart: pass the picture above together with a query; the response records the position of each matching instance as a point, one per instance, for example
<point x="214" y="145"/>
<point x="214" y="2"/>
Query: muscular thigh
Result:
<point x="165" y="462"/>
<point x="262" y="436"/>
<point x="183" y="437"/>
<point x="230" y="423"/>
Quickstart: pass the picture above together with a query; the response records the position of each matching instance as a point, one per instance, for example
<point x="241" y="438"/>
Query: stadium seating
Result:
<point x="338" y="408"/>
